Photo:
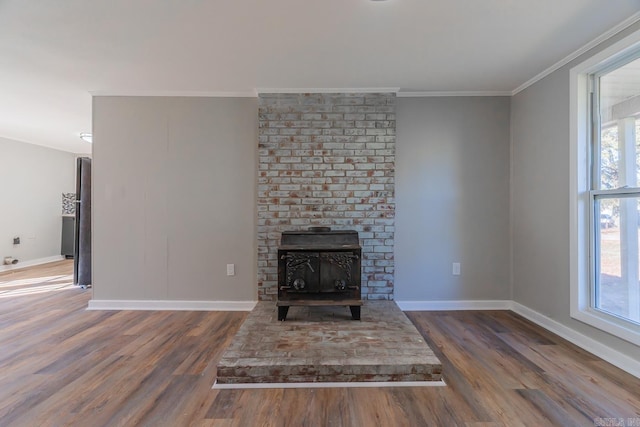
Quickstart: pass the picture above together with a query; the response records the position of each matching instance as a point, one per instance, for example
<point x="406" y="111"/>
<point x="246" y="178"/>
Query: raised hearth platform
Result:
<point x="322" y="344"/>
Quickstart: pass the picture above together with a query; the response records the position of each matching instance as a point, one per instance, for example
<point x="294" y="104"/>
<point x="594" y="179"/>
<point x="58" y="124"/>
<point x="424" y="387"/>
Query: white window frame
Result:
<point x="581" y="214"/>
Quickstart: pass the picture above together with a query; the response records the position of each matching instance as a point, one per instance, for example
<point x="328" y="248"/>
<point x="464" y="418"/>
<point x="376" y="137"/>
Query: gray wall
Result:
<point x="174" y="198"/>
<point x="452" y="198"/>
<point x="540" y="199"/>
<point x="33" y="179"/>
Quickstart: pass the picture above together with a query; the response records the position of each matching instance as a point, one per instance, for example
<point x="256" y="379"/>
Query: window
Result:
<point x="605" y="229"/>
<point x="615" y="192"/>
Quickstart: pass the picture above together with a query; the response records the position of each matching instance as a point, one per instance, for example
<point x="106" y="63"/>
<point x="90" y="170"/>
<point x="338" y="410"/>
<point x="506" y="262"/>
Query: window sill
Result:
<point x="613" y="325"/>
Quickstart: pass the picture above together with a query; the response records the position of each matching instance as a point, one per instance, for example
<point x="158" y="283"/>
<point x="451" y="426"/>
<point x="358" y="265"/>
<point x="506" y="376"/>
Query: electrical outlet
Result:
<point x="456" y="269"/>
<point x="231" y="269"/>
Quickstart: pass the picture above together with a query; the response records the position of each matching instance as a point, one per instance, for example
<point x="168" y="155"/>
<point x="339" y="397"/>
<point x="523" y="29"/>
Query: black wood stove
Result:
<point x="319" y="267"/>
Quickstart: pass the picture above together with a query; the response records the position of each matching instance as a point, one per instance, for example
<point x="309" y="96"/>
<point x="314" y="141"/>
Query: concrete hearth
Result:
<point x="323" y="345"/>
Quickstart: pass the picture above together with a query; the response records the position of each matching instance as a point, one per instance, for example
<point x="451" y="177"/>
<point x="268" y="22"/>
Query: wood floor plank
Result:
<point x="61" y="365"/>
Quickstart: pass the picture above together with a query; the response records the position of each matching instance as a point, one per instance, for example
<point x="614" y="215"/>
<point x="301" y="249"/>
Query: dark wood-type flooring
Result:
<point x="61" y="365"/>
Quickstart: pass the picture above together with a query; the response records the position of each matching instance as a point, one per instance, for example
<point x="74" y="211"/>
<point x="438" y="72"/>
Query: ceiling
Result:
<point x="54" y="54"/>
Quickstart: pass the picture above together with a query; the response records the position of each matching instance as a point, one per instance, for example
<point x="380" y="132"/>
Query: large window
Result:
<point x="615" y="192"/>
<point x="606" y="190"/>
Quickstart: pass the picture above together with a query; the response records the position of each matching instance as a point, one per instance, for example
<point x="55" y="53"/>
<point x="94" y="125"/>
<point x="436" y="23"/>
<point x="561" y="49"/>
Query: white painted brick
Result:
<point x="343" y="207"/>
<point x="279" y="166"/>
<point x="357" y="187"/>
<point x="354" y="116"/>
<point x="333" y="159"/>
<point x="287" y="131"/>
<point x="311" y="201"/>
<point x="302" y="166"/>
<point x="312" y="159"/>
<point x="365" y="166"/>
<point x="354" y="214"/>
<point x="384" y="138"/>
<point x="325" y="166"/>
<point x="365" y="124"/>
<point x="364" y="139"/>
<point x="342" y="166"/>
<point x="356" y="145"/>
<point x="336" y="188"/>
<point x="334" y="200"/>
<point x="364" y="207"/>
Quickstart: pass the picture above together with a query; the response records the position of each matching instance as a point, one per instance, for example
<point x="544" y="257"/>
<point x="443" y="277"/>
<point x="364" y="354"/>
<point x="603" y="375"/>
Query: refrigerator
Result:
<point x="82" y="250"/>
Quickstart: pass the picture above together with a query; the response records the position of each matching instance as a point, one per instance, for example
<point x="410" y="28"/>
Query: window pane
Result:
<point x="619" y="148"/>
<point x="609" y="167"/>
<point x="617" y="258"/>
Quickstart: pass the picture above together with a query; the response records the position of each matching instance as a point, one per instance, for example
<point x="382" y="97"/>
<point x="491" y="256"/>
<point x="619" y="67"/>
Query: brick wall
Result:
<point x="328" y="159"/>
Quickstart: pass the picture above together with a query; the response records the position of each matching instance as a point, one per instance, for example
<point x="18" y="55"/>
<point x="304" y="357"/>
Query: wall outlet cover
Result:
<point x="456" y="269"/>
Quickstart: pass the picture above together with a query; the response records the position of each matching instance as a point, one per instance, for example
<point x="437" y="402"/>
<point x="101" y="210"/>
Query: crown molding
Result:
<point x="593" y="43"/>
<point x="431" y="94"/>
<point x="169" y="93"/>
<point x="329" y="90"/>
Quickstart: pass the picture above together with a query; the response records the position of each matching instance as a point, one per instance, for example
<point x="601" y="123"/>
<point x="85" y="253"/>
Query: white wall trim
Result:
<point x="31" y="263"/>
<point x="330" y="90"/>
<point x="593" y="43"/>
<point x="454" y="305"/>
<point x="614" y="357"/>
<point x="604" y="352"/>
<point x="432" y="94"/>
<point x="245" y="94"/>
<point x="171" y="305"/>
<point x="177" y="93"/>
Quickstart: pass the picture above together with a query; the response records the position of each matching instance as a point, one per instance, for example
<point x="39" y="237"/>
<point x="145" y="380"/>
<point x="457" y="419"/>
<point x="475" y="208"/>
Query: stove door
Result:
<point x="302" y="271"/>
<point x="337" y="271"/>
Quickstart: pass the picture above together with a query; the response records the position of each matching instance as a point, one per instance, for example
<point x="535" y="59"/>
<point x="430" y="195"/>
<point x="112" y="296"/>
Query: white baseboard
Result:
<point x="454" y="305"/>
<point x="604" y="352"/>
<point x="31" y="263"/>
<point x="171" y="305"/>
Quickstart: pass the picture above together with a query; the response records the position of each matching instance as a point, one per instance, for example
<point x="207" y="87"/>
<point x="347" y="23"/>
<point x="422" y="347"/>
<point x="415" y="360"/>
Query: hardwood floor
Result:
<point x="61" y="365"/>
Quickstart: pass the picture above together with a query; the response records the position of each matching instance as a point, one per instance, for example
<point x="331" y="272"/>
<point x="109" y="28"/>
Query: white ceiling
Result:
<point x="53" y="54"/>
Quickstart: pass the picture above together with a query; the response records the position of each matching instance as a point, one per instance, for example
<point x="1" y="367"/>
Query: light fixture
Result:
<point x="87" y="137"/>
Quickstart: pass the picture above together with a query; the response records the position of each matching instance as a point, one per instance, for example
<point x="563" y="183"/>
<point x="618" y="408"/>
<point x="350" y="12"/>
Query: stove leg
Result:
<point x="282" y="312"/>
<point x="355" y="312"/>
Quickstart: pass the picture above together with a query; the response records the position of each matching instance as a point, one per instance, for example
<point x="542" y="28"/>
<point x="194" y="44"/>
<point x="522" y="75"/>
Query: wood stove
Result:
<point x="319" y="267"/>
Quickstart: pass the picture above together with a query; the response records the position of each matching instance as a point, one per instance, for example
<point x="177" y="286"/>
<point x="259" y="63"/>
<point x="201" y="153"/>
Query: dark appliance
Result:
<point x="68" y="236"/>
<point x="82" y="249"/>
<point x="319" y="267"/>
